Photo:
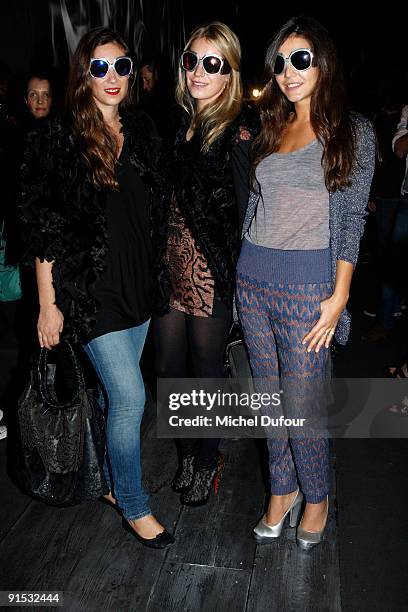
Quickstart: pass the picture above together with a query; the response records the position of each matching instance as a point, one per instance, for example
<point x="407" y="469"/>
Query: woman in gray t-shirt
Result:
<point x="311" y="175"/>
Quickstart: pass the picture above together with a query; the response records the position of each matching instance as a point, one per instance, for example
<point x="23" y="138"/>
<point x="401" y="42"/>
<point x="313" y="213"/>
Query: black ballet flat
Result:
<point x="162" y="540"/>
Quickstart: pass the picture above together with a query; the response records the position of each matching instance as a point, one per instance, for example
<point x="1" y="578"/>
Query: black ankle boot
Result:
<point x="204" y="477"/>
<point x="184" y="476"/>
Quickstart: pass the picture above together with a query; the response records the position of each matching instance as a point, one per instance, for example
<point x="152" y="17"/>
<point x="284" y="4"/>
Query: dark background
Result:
<point x="372" y="41"/>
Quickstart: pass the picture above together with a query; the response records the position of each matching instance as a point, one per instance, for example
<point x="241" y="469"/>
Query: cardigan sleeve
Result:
<point x="40" y="209"/>
<point x="354" y="198"/>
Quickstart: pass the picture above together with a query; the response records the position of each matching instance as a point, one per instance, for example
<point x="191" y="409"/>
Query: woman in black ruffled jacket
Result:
<point x="88" y="189"/>
<point x="198" y="232"/>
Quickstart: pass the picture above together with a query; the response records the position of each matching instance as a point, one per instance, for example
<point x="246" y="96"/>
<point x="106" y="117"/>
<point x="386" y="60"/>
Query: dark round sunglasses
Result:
<point x="299" y="59"/>
<point x="212" y="64"/>
<point x="99" y="66"/>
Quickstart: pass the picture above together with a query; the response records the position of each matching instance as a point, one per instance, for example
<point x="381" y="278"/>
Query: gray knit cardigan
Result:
<point x="347" y="209"/>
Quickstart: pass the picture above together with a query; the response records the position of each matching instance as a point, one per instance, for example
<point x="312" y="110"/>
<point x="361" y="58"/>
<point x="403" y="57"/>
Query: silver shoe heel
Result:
<point x="265" y="533"/>
<point x="306" y="540"/>
<point x="295" y="512"/>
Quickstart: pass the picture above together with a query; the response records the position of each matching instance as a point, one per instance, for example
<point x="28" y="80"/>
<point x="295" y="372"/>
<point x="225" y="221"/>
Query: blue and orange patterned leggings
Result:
<point x="275" y="317"/>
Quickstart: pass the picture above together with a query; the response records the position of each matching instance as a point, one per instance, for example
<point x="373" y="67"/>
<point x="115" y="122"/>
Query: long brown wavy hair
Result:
<point x="98" y="145"/>
<point x="214" y="118"/>
<point x="330" y="121"/>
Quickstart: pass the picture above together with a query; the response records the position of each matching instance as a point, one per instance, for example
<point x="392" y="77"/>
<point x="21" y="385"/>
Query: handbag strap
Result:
<point x="235" y="331"/>
<point x="41" y="374"/>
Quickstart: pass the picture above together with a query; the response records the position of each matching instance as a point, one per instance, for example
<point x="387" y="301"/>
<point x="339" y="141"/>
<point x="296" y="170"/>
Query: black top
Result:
<point x="63" y="214"/>
<point x="124" y="290"/>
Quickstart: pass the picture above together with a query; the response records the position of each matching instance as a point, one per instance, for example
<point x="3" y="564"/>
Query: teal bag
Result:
<point x="10" y="286"/>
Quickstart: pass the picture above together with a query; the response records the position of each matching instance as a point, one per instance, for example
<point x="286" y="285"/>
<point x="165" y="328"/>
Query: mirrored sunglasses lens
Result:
<point x="99" y="68"/>
<point x="301" y="60"/>
<point x="212" y="64"/>
<point x="279" y="65"/>
<point x="188" y="61"/>
<point x="123" y="66"/>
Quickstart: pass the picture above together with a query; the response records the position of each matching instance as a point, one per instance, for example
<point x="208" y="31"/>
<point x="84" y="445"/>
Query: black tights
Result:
<point x="206" y="337"/>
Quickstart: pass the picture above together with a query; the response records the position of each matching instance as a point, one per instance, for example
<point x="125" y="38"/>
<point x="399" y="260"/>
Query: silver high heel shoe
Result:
<point x="306" y="540"/>
<point x="266" y="533"/>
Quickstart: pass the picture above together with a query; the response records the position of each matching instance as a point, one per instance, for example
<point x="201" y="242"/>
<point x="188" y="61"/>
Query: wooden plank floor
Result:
<point x="214" y="565"/>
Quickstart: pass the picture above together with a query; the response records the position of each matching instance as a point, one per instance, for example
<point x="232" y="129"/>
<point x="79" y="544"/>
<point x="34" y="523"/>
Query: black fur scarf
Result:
<point x="203" y="185"/>
<point x="63" y="214"/>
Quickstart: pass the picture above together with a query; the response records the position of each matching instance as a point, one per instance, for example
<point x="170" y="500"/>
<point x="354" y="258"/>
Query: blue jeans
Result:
<point x="115" y="357"/>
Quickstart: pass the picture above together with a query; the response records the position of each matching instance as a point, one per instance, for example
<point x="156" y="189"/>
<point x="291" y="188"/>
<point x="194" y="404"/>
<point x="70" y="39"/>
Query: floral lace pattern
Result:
<point x="191" y="279"/>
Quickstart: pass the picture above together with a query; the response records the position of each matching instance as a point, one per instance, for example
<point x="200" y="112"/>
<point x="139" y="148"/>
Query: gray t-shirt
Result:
<point x="293" y="213"/>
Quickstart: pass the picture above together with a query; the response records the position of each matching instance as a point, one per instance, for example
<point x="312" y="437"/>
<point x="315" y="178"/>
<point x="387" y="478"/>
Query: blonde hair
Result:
<point x="215" y="118"/>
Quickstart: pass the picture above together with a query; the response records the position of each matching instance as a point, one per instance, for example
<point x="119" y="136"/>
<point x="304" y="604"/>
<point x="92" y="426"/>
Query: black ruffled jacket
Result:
<point x="63" y="214"/>
<point x="211" y="191"/>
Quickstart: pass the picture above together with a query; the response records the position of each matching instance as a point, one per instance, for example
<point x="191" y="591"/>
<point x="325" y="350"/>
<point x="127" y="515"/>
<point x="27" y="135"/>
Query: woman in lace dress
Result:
<point x="198" y="233"/>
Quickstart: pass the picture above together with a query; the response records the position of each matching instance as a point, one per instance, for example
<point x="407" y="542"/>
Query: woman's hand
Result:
<point x="51" y="320"/>
<point x="322" y="333"/>
<point x="50" y="325"/>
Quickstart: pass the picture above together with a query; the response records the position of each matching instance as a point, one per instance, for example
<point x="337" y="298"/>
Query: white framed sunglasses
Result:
<point x="299" y="59"/>
<point x="99" y="66"/>
<point x="212" y="64"/>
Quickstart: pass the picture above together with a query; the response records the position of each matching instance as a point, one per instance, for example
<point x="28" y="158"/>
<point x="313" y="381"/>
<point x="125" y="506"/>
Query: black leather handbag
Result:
<point x="62" y="442"/>
<point x="236" y="359"/>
